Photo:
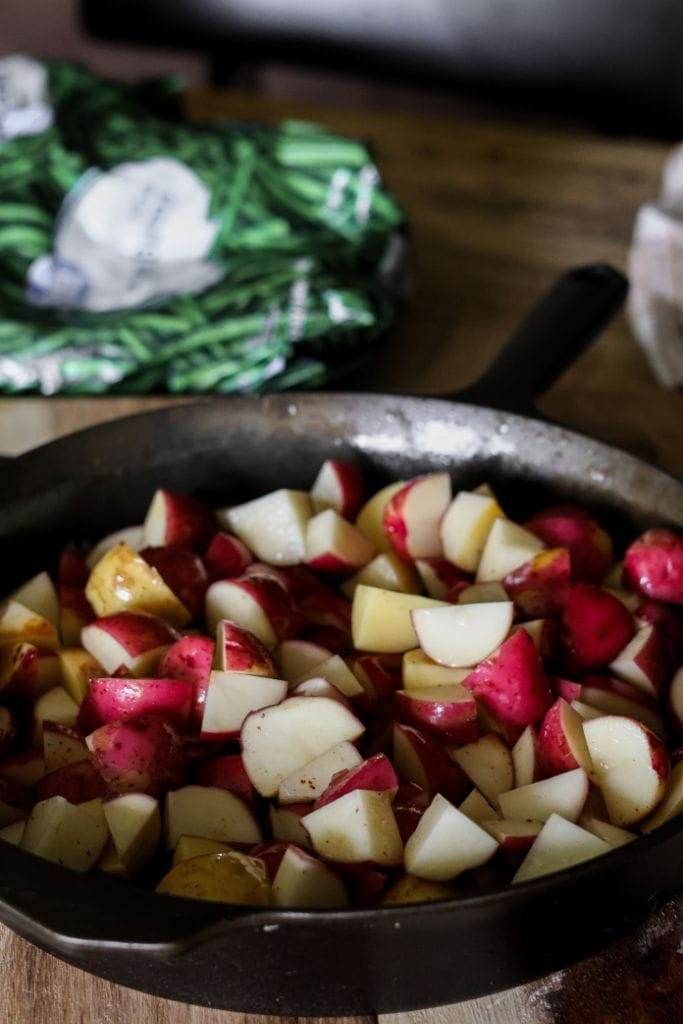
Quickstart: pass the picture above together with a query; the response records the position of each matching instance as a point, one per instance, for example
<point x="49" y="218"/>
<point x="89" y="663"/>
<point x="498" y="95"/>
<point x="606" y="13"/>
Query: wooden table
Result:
<point x="498" y="212"/>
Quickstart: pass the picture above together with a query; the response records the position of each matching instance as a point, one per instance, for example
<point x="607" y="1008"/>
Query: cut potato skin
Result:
<point x="672" y="802"/>
<point x="511" y="686"/>
<point x="561" y="741"/>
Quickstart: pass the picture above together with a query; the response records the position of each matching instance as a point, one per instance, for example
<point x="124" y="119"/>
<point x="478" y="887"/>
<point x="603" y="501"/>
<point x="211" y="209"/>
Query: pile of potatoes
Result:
<point x="320" y="699"/>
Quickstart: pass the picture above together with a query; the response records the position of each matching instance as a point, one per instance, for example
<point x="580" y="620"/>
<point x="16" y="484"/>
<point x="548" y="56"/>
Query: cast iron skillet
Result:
<point x="360" y="961"/>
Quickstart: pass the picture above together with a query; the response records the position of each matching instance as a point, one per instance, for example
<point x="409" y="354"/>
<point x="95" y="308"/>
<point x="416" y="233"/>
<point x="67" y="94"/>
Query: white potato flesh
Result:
<point x="560" y="844"/>
<point x="465" y="527"/>
<point x="563" y="794"/>
<point x="134" y="821"/>
<point x="627" y="767"/>
<point x="231" y="696"/>
<point x="381" y="619"/>
<point x="311" y="781"/>
<point x="305" y="882"/>
<point x="278" y="740"/>
<point x="273" y="526"/>
<point x="445" y="843"/>
<point x="210" y="813"/>
<point x="74" y="835"/>
<point x="461" y="636"/>
<point x="488" y="764"/>
<point x="507" y="547"/>
<point x="358" y="828"/>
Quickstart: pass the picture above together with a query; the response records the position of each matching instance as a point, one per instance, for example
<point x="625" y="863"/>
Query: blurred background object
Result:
<point x="613" y="64"/>
<point x="656" y="273"/>
<point x="52" y="29"/>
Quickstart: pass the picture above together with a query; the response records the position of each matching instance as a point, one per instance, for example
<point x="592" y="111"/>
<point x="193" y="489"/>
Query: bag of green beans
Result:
<point x="142" y="253"/>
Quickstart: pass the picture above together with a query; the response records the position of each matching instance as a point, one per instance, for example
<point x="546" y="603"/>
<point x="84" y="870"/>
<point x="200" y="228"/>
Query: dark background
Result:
<point x="614" y="65"/>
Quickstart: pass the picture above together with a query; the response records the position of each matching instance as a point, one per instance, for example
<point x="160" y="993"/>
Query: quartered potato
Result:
<point x="219" y="878"/>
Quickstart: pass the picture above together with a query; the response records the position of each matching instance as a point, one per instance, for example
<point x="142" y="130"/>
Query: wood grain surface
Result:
<point x="497" y="212"/>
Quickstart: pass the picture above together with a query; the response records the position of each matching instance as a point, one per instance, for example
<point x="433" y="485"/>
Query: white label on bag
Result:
<point x="130" y="236"/>
<point x="24" y="103"/>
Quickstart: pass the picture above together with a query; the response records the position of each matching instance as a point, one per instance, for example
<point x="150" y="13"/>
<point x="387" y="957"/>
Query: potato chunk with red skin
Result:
<point x="190" y="659"/>
<point x="595" y="628"/>
<point x="239" y="650"/>
<point x="182" y="571"/>
<point x="178" y="519"/>
<point x="122" y="581"/>
<point x="654" y="565"/>
<point x="78" y="783"/>
<point x="668" y="621"/>
<point x="117" y="699"/>
<point x="145" y="755"/>
<point x="574" y="528"/>
<point x="540" y="588"/>
<point x="511" y="686"/>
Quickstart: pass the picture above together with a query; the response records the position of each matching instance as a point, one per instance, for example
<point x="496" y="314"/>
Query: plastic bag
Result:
<point x="142" y="253"/>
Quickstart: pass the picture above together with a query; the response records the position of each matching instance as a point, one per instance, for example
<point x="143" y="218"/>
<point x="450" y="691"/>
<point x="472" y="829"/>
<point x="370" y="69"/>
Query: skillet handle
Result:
<point x="550" y="338"/>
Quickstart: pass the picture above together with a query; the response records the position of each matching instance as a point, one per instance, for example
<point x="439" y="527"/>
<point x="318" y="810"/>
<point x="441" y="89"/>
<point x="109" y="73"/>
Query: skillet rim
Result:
<point x="289" y="398"/>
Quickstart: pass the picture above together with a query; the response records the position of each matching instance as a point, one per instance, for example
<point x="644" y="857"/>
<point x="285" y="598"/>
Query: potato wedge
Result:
<point x="219" y="878"/>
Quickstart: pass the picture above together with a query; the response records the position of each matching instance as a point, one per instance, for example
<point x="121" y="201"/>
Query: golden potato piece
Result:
<point x="109" y="863"/>
<point x="381" y="620"/>
<point x="370" y="519"/>
<point x="409" y="889"/>
<point x="219" y="878"/>
<point x="122" y="581"/>
<point x="77" y="669"/>
<point x="19" y="624"/>
<point x="196" y="846"/>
